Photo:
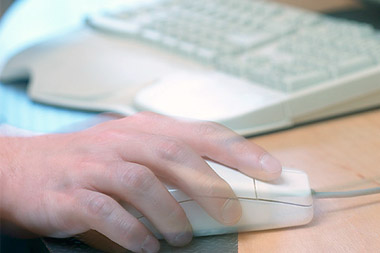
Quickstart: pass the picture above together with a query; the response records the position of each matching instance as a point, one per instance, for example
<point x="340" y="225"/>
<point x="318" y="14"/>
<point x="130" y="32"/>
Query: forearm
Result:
<point x="7" y="153"/>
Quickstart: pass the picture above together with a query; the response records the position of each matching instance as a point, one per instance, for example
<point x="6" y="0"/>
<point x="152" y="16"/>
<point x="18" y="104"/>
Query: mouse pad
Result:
<point x="219" y="243"/>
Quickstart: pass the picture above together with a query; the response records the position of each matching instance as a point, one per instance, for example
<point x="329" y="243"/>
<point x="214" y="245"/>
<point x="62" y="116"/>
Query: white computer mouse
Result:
<point x="284" y="202"/>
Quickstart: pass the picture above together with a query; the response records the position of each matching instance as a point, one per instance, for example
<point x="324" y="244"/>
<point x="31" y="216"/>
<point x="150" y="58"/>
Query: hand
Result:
<point x="64" y="184"/>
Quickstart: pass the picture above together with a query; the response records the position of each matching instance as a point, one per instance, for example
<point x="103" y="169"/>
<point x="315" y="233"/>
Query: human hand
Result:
<point x="64" y="184"/>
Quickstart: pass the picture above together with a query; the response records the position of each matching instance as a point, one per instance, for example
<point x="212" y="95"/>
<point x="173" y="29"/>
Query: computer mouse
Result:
<point x="285" y="202"/>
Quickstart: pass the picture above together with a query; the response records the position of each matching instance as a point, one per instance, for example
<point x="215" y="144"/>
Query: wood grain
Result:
<point x="337" y="154"/>
<point x="323" y="5"/>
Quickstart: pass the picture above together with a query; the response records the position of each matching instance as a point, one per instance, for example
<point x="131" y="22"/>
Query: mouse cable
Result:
<point x="345" y="194"/>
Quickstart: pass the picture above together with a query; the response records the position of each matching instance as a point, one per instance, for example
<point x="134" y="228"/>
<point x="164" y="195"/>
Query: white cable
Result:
<point x="346" y="194"/>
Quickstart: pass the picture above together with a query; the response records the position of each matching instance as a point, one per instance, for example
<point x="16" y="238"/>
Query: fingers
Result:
<point x="137" y="185"/>
<point x="103" y="214"/>
<point x="174" y="150"/>
<point x="213" y="141"/>
<point x="179" y="164"/>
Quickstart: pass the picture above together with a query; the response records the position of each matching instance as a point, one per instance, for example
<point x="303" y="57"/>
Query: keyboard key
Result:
<point x="303" y="80"/>
<point x="353" y="64"/>
<point x="169" y="41"/>
<point x="248" y="41"/>
<point x="187" y="48"/>
<point x="206" y="54"/>
<point x="151" y="35"/>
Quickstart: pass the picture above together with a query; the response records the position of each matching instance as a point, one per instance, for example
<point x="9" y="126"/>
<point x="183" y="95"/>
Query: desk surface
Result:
<point x="322" y="5"/>
<point x="336" y="154"/>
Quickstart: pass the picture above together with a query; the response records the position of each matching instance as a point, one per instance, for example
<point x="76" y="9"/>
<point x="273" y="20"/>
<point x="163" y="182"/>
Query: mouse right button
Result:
<point x="292" y="187"/>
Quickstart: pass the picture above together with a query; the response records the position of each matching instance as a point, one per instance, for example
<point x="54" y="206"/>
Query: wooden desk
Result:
<point x="322" y="5"/>
<point x="336" y="154"/>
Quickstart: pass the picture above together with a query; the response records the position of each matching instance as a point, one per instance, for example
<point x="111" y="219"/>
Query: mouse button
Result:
<point x="179" y="195"/>
<point x="260" y="215"/>
<point x="292" y="187"/>
<point x="242" y="185"/>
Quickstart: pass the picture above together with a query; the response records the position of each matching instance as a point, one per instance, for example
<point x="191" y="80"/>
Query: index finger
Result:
<point x="212" y="141"/>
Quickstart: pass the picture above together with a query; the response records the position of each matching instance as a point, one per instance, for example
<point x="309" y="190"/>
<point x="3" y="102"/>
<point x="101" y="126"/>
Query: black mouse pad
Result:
<point x="220" y="243"/>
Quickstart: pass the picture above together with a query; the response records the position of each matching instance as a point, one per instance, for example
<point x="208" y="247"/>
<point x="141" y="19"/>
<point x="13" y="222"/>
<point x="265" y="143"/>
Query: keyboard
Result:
<point x="251" y="65"/>
<point x="272" y="45"/>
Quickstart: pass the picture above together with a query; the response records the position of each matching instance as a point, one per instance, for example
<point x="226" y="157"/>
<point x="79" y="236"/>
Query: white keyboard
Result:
<point x="267" y="43"/>
<point x="254" y="66"/>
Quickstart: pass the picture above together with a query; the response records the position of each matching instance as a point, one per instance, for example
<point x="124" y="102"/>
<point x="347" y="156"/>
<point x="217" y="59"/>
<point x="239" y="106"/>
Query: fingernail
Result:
<point x="270" y="164"/>
<point x="184" y="237"/>
<point x="231" y="211"/>
<point x="150" y="244"/>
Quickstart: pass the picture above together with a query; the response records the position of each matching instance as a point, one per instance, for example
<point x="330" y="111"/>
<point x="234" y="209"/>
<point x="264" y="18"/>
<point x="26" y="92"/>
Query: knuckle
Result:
<point x="127" y="227"/>
<point x="100" y="206"/>
<point x="137" y="178"/>
<point x="212" y="188"/>
<point x="170" y="149"/>
<point x="208" y="128"/>
<point x="144" y="116"/>
<point x="148" y="114"/>
<point x="215" y="188"/>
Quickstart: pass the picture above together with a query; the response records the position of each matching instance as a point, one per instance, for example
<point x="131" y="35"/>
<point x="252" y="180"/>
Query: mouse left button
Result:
<point x="241" y="184"/>
<point x="292" y="188"/>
